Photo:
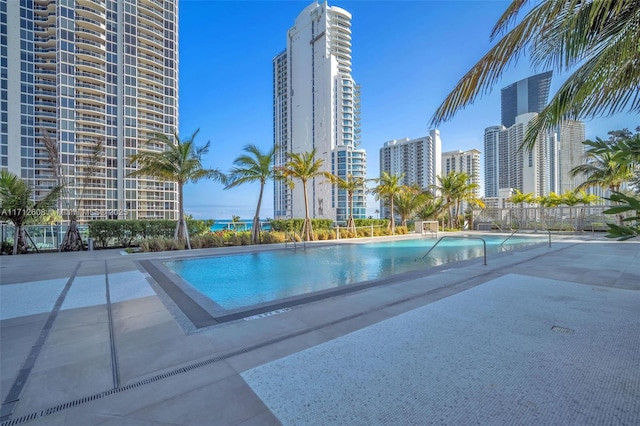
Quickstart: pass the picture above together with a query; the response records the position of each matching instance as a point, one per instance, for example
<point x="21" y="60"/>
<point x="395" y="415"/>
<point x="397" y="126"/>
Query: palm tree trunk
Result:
<point x="182" y="233"/>
<point x="619" y="216"/>
<point x="393" y="221"/>
<point x="180" y="230"/>
<point x="306" y="227"/>
<point x="255" y="230"/>
<point x="186" y="232"/>
<point x="16" y="239"/>
<point x="351" y="223"/>
<point x="72" y="239"/>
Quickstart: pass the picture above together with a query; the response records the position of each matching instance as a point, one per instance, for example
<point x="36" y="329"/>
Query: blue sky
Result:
<point x="407" y="56"/>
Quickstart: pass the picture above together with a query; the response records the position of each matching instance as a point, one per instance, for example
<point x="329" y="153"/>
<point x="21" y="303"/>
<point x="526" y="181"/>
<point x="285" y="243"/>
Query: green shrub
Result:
<point x="374" y="222"/>
<point x="175" y="244"/>
<point x="240" y="238"/>
<point x="199" y="227"/>
<point x="345" y="233"/>
<point x="402" y="230"/>
<point x="6" y="247"/>
<point x="214" y="239"/>
<point x="157" y="228"/>
<point x="144" y="246"/>
<point x="100" y="231"/>
<point x="197" y="242"/>
<point x="130" y="232"/>
<point x="288" y="225"/>
<point x="124" y="233"/>
<point x="273" y="237"/>
<point x="322" y="234"/>
<point x="159" y="244"/>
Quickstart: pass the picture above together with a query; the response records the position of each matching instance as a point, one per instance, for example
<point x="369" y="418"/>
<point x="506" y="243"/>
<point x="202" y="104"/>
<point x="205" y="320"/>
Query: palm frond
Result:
<point x="599" y="37"/>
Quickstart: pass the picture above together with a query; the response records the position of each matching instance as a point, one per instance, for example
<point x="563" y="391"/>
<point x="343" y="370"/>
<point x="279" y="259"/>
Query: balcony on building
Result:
<point x="90" y="34"/>
<point x="95" y="14"/>
<point x="90" y="23"/>
<point x="150" y="19"/>
<point x="89" y="56"/>
<point x="94" y="4"/>
<point x="91" y="46"/>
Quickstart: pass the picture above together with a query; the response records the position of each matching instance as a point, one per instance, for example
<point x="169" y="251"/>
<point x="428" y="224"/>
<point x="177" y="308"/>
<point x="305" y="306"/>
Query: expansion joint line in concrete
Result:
<point x="275" y="340"/>
<point x="9" y="404"/>
<point x="115" y="369"/>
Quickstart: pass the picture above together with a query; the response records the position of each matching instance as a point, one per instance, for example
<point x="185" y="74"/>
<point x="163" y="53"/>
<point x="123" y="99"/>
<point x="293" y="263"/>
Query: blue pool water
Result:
<point x="238" y="281"/>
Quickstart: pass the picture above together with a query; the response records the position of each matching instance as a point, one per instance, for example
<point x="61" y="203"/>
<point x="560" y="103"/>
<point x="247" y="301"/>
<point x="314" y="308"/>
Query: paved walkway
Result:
<point x="539" y="336"/>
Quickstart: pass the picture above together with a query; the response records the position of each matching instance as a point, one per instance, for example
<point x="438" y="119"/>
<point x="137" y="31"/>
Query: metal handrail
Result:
<point x="505" y="240"/>
<point x="484" y="245"/>
<point x="517" y="230"/>
<point x="291" y="238"/>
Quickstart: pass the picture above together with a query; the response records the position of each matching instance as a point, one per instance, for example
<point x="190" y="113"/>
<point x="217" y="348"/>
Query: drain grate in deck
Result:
<point x="563" y="330"/>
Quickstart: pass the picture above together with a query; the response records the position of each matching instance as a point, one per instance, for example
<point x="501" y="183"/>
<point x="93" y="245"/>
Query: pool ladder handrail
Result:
<point x="517" y="230"/>
<point x="484" y="245"/>
<point x="290" y="237"/>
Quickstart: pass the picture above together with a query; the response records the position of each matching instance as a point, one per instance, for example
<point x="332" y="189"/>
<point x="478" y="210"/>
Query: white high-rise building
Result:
<point x="507" y="166"/>
<point x="521" y="169"/>
<point x="491" y="164"/>
<point x="418" y="159"/>
<point x="570" y="153"/>
<point x="88" y="71"/>
<point x="463" y="161"/>
<point x="544" y="170"/>
<point x="316" y="105"/>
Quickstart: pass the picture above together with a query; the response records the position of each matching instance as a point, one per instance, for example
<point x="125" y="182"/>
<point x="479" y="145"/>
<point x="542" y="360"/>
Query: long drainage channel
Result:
<point x="190" y="367"/>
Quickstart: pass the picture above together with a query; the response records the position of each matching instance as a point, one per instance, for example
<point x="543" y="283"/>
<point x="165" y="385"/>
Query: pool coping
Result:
<point x="194" y="311"/>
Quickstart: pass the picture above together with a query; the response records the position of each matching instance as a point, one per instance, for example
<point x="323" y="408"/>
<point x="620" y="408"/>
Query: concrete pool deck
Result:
<point x="545" y="335"/>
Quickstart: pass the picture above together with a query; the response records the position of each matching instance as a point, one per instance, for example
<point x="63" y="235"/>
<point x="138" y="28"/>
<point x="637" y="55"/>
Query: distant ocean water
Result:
<point x="243" y="225"/>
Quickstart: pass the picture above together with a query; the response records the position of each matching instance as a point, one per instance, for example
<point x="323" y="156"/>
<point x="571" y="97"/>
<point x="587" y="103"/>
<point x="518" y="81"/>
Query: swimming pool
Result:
<point x="239" y="281"/>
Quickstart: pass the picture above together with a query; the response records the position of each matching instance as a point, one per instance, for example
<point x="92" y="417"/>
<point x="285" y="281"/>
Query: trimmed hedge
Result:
<point x="284" y="225"/>
<point x="125" y="233"/>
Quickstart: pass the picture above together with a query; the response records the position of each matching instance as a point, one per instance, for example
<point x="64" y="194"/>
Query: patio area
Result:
<point x="544" y="335"/>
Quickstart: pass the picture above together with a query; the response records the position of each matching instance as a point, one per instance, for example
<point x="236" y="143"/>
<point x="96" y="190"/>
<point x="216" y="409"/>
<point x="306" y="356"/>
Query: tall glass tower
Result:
<point x="316" y="105"/>
<point x="83" y="72"/>
<point x="525" y="96"/>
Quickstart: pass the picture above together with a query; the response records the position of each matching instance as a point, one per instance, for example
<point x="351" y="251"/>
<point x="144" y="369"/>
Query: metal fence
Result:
<point x="43" y="237"/>
<point x="563" y="218"/>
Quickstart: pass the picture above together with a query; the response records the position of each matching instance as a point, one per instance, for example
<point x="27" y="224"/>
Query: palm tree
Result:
<point x="17" y="205"/>
<point x="179" y="162"/>
<point x="351" y="185"/>
<point x="72" y="198"/>
<point x="408" y="201"/>
<point x="304" y="167"/>
<point x="255" y="166"/>
<point x="625" y="147"/>
<point x="455" y="188"/>
<point x="447" y="188"/>
<point x="518" y="197"/>
<point x="235" y="222"/>
<point x="603" y="170"/>
<point x="432" y="207"/>
<point x="623" y="143"/>
<point x="387" y="187"/>
<point x="51" y="218"/>
<point x="596" y="38"/>
<point x="586" y="199"/>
